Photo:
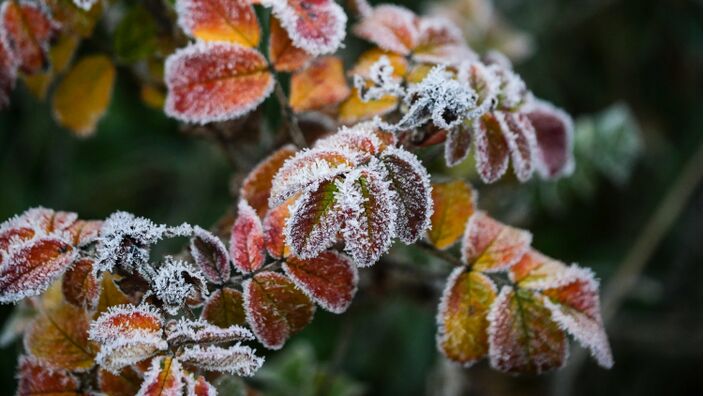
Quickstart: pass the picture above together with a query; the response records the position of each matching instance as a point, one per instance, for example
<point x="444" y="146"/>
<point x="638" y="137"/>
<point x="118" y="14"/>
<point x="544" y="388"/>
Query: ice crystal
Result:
<point x="236" y="360"/>
<point x="379" y="82"/>
<point x="175" y="282"/>
<point x="200" y="331"/>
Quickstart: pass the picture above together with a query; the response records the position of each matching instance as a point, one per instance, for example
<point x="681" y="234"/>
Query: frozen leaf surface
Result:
<point x="489" y="246"/>
<point x="36" y="378"/>
<point x="164" y="378"/>
<point x="224" y="308"/>
<point x="454" y="202"/>
<point x="247" y="240"/>
<point x="554" y="135"/>
<point x="219" y="20"/>
<point x="237" y="360"/>
<point x="256" y="188"/>
<point x="80" y="286"/>
<point x="457" y="145"/>
<point x="319" y="85"/>
<point x="491" y="151"/>
<point x="210" y="255"/>
<point x="27" y="29"/>
<point x="176" y="282"/>
<point x="391" y="27"/>
<point x="186" y="331"/>
<point x="283" y="54"/>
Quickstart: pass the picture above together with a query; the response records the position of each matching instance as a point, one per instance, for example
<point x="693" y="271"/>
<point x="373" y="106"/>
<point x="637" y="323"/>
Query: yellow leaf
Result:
<point x="83" y="95"/>
<point x="453" y="203"/>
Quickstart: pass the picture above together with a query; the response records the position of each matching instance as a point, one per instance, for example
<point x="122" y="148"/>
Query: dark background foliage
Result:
<point x="587" y="56"/>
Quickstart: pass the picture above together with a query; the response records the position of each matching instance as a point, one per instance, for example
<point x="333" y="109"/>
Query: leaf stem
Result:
<point x="445" y="256"/>
<point x="294" y="130"/>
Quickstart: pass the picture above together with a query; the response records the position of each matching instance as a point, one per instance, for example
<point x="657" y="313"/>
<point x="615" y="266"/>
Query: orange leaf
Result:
<point x="247" y="240"/>
<point x="283" y="54"/>
<point x="125" y="384"/>
<point x="224" y="308"/>
<point x="59" y="337"/>
<point x="274" y="225"/>
<point x="440" y="41"/>
<point x="391" y="27"/>
<point x="330" y="279"/>
<point x="370" y="57"/>
<point x="489" y="246"/>
<point x="200" y="387"/>
<point x="319" y="85"/>
<point x="164" y="378"/>
<point x="219" y="20"/>
<point x="256" y="188"/>
<point x="30" y="269"/>
<point x="523" y="339"/>
<point x="275" y="308"/>
<point x="453" y="203"/>
<point x="28" y="31"/>
<point x="110" y="294"/>
<point x="215" y="82"/>
<point x="462" y="333"/>
<point x="36" y="378"/>
<point x="85" y="231"/>
<point x="353" y="109"/>
<point x="80" y="286"/>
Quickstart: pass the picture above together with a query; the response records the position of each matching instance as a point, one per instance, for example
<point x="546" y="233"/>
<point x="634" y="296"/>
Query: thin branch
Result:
<point x="445" y="256"/>
<point x="294" y="130"/>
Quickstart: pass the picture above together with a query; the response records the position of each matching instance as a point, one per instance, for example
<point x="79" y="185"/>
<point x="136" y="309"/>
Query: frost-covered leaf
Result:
<point x="491" y="151"/>
<point x="177" y="282"/>
<point x="256" y="188"/>
<point x="391" y="27"/>
<point x="484" y="83"/>
<point x="247" y="240"/>
<point x="379" y="81"/>
<point x="353" y="109"/>
<point x="411" y="182"/>
<point x="307" y="167"/>
<point x="126" y="383"/>
<point x="219" y="20"/>
<point x="276" y="308"/>
<point x="210" y="255"/>
<point x="489" y="246"/>
<point x="283" y="54"/>
<point x="164" y="378"/>
<point x="59" y="337"/>
<point x="224" y="308"/>
<point x="274" y="225"/>
<point x="462" y="323"/>
<point x="186" y="331"/>
<point x="29" y="269"/>
<point x="91" y="80"/>
<point x="127" y="334"/>
<point x="215" y="82"/>
<point x="453" y="203"/>
<point x="36" y="378"/>
<point x="520" y="138"/>
<point x="364" y="65"/>
<point x="554" y="135"/>
<point x="318" y="27"/>
<point x="315" y="220"/>
<point x="84" y="232"/>
<point x="440" y="41"/>
<point x="235" y="360"/>
<point x="457" y="145"/>
<point x="199" y="387"/>
<point x="319" y="85"/>
<point x="330" y="279"/>
<point x="80" y="286"/>
<point x="27" y="29"/>
<point x="364" y="139"/>
<point x="523" y="339"/>
<point x="8" y="72"/>
<point x="370" y="210"/>
<point x="512" y="92"/>
<point x="572" y="297"/>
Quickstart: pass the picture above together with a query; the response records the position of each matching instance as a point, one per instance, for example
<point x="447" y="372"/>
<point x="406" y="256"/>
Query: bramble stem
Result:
<point x="445" y="256"/>
<point x="294" y="130"/>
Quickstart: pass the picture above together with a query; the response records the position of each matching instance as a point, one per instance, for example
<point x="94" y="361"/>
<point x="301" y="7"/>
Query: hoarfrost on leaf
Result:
<point x="200" y="331"/>
<point x="379" y="82"/>
<point x="236" y="359"/>
<point x="176" y="282"/>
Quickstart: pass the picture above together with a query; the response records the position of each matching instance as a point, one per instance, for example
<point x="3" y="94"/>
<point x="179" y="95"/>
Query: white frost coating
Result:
<point x="492" y="318"/>
<point x="152" y="376"/>
<point x="359" y="139"/>
<point x="442" y="42"/>
<point x="485" y="83"/>
<point x="256" y="322"/>
<point x="368" y="231"/>
<point x="173" y="288"/>
<point x="85" y="5"/>
<point x="326" y="39"/>
<point x="236" y="360"/>
<point x="440" y="98"/>
<point x="125" y="240"/>
<point x="306" y="167"/>
<point x="489" y="169"/>
<point x="325" y="303"/>
<point x="178" y="73"/>
<point x="521" y="141"/>
<point x="512" y="90"/>
<point x="382" y="79"/>
<point x="123" y="352"/>
<point x="308" y="237"/>
<point x="191" y="384"/>
<point x="381" y="25"/>
<point x="413" y="189"/>
<point x="215" y="266"/>
<point x="200" y="331"/>
<point x="459" y="137"/>
<point x="534" y="104"/>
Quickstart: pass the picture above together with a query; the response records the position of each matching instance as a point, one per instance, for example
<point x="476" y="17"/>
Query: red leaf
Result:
<point x="522" y="337"/>
<point x="247" y="240"/>
<point x="274" y="225"/>
<point x="370" y="210"/>
<point x="330" y="279"/>
<point x="80" y="286"/>
<point x="200" y="387"/>
<point x="28" y="31"/>
<point x="491" y="151"/>
<point x="210" y="255"/>
<point x="314" y="221"/>
<point x="490" y="246"/>
<point x="554" y="134"/>
<point x="256" y="188"/>
<point x="520" y="138"/>
<point x="285" y="56"/>
<point x="440" y="41"/>
<point x="457" y="145"/>
<point x="275" y="308"/>
<point x="215" y="82"/>
<point x="164" y="378"/>
<point x="391" y="27"/>
<point x="85" y="231"/>
<point x="411" y="182"/>
<point x="35" y="378"/>
<point x="317" y="27"/>
<point x="30" y="269"/>
<point x="224" y="308"/>
<point x="219" y="20"/>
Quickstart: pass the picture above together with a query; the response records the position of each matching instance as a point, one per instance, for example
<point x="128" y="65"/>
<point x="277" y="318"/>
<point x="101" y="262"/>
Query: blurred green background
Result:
<point x="585" y="56"/>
